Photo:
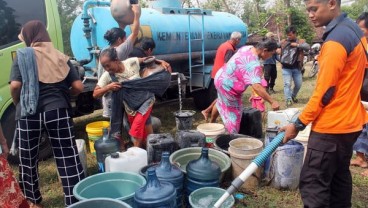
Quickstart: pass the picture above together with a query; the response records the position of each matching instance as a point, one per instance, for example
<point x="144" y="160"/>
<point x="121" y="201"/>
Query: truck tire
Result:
<point x="202" y="98"/>
<point x="8" y="126"/>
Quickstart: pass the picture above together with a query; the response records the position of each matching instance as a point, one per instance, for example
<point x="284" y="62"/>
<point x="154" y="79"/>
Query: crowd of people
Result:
<point x="338" y="117"/>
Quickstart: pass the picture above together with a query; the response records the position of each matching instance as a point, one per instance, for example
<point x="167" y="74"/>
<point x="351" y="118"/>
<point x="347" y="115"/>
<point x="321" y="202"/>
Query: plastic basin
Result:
<point x="208" y="196"/>
<point x="99" y="203"/>
<point x="114" y="185"/>
<point x="182" y="157"/>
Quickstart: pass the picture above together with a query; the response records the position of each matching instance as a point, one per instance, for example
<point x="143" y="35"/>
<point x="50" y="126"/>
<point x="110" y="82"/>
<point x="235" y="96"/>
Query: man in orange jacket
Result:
<point x="334" y="109"/>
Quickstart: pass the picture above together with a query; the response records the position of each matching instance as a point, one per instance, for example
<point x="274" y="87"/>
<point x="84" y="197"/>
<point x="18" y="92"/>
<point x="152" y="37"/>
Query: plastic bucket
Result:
<point x="184" y="119"/>
<point x="286" y="165"/>
<point x="113" y="185"/>
<point x="303" y="137"/>
<point x="245" y="146"/>
<point x="94" y="132"/>
<point x="100" y="202"/>
<point x="182" y="157"/>
<point x="242" y="151"/>
<point x="208" y="196"/>
<point x="211" y="130"/>
<point x="222" y="141"/>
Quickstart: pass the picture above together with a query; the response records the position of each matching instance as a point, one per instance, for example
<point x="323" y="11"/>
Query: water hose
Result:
<point x="257" y="162"/>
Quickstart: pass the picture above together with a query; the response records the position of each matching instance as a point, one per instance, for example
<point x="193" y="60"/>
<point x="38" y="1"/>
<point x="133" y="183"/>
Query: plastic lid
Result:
<point x="115" y="155"/>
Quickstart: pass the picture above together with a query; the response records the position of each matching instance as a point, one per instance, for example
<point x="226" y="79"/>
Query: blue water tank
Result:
<point x="155" y="193"/>
<point x="202" y="173"/>
<point x="167" y="26"/>
<point x="165" y="171"/>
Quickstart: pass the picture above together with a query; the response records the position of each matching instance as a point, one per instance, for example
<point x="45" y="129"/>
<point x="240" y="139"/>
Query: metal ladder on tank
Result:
<point x="190" y="42"/>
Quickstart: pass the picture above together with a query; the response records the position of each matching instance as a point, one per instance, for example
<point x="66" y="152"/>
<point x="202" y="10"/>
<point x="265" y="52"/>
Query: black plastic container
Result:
<point x="251" y="123"/>
<point x="222" y="141"/>
<point x="190" y="138"/>
<point x="158" y="143"/>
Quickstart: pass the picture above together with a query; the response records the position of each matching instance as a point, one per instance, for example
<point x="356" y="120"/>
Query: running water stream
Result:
<point x="179" y="90"/>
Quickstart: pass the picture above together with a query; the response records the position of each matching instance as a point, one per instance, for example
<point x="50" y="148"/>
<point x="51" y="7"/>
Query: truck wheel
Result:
<point x="8" y="126"/>
<point x="202" y="99"/>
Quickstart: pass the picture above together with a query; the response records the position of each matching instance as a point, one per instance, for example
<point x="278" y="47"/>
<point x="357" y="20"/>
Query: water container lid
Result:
<point x="115" y="155"/>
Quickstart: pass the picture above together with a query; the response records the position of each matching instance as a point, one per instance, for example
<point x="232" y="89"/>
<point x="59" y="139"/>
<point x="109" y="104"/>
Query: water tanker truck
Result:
<point x="187" y="38"/>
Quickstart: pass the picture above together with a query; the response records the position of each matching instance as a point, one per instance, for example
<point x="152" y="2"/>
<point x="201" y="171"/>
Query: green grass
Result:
<point x="265" y="196"/>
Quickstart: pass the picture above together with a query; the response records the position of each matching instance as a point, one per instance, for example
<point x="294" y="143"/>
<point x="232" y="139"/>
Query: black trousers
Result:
<point x="59" y="126"/>
<point x="325" y="180"/>
<point x="270" y="75"/>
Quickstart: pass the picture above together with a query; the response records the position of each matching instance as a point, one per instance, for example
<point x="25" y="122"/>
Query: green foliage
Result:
<point x="356" y="8"/>
<point x="215" y="5"/>
<point x="304" y="28"/>
<point x="68" y="10"/>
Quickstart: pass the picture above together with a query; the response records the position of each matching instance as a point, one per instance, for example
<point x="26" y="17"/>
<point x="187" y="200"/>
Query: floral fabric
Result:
<point x="242" y="70"/>
<point x="10" y="194"/>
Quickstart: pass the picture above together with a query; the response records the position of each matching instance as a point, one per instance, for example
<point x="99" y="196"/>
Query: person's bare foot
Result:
<point x="205" y="115"/>
<point x="359" y="162"/>
<point x="364" y="173"/>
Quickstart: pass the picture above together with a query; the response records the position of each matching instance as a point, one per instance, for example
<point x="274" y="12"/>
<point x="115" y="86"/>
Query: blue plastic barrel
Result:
<point x="202" y="173"/>
<point x="155" y="193"/>
<point x="285" y="165"/>
<point x="170" y="173"/>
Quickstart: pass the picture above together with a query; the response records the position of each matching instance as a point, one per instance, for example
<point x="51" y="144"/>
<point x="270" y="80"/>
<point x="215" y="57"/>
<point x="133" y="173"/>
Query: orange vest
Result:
<point x="220" y="57"/>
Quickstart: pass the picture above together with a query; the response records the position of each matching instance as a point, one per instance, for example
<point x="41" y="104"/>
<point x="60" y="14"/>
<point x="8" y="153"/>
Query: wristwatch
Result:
<point x="299" y="125"/>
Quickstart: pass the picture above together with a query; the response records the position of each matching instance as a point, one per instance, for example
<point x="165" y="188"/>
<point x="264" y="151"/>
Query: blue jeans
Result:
<point x="290" y="75"/>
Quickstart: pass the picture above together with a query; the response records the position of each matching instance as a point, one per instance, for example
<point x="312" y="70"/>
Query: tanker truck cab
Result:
<point x="18" y="12"/>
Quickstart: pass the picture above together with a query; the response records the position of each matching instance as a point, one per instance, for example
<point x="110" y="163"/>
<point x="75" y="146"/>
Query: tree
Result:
<point x="304" y="28"/>
<point x="68" y="10"/>
<point x="356" y="8"/>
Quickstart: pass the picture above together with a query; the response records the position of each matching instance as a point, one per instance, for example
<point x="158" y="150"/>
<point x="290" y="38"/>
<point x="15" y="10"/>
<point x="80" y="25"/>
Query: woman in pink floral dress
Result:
<point x="242" y="70"/>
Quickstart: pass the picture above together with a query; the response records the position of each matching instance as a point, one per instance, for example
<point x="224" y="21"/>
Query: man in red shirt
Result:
<point x="224" y="52"/>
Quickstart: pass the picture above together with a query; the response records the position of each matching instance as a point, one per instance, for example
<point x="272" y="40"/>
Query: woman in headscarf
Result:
<point x="242" y="70"/>
<point x="41" y="82"/>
